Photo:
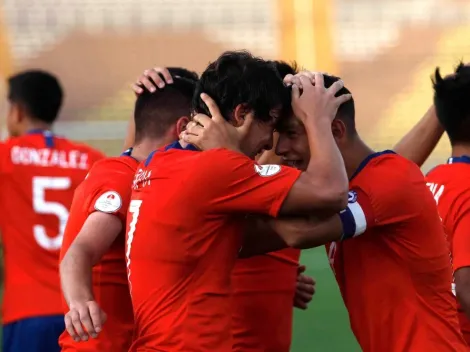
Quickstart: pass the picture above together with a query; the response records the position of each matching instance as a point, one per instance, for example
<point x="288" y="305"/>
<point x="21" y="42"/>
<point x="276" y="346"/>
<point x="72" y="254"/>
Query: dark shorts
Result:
<point x="38" y="334"/>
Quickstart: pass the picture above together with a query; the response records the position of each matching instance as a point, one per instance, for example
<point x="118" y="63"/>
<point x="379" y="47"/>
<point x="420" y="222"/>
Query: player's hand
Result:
<point x="210" y="133"/>
<point x="305" y="289"/>
<point x="153" y="74"/>
<point x="315" y="101"/>
<point x="84" y="319"/>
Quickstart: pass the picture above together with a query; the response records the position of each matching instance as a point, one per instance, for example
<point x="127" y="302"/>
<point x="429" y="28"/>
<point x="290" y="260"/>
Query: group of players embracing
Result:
<point x="190" y="240"/>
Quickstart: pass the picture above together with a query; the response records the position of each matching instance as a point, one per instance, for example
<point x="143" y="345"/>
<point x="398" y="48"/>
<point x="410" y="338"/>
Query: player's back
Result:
<point x="39" y="174"/>
<point x="263" y="296"/>
<point x="450" y="186"/>
<point x="107" y="188"/>
<point x="396" y="277"/>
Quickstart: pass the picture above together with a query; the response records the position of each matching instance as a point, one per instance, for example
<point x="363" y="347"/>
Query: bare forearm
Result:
<point x="309" y="232"/>
<point x="259" y="238"/>
<point x="421" y="140"/>
<point x="76" y="275"/>
<point x="326" y="166"/>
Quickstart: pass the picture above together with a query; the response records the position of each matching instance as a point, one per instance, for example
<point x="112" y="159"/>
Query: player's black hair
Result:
<point x="155" y="113"/>
<point x="285" y="68"/>
<point x="346" y="111"/>
<point x="38" y="92"/>
<point x="452" y="102"/>
<point x="183" y="73"/>
<point x="238" y="77"/>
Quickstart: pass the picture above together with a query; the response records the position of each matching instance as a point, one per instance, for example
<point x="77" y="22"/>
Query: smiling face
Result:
<point x="293" y="144"/>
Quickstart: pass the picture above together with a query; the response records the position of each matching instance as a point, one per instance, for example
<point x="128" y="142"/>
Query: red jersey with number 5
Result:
<point x="39" y="173"/>
<point x="107" y="189"/>
<point x="450" y="186"/>
<point x="394" y="273"/>
<point x="185" y="224"/>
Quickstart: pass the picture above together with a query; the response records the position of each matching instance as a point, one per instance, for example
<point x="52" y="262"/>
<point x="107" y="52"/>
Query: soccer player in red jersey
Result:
<point x="387" y="248"/>
<point x="450" y="183"/>
<point x="264" y="287"/>
<point x="389" y="253"/>
<point x="94" y="236"/>
<point x="187" y="209"/>
<point x="39" y="173"/>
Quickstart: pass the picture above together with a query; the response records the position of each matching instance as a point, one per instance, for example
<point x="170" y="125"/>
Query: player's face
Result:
<point x="259" y="136"/>
<point x="293" y="144"/>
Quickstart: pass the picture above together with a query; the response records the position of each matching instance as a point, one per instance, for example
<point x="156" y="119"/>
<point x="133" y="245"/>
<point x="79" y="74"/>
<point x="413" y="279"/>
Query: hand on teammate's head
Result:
<point x="152" y="79"/>
<point x="207" y="133"/>
<point x="311" y="101"/>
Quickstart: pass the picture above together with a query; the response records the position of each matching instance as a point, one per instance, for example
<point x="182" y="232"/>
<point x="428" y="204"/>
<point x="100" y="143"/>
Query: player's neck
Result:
<point x="460" y="149"/>
<point x="143" y="148"/>
<point x="31" y="125"/>
<point x="355" y="153"/>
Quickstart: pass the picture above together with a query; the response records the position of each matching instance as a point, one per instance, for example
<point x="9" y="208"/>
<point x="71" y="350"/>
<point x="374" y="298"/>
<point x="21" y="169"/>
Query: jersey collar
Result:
<point x="174" y="145"/>
<point x="366" y="161"/>
<point x="459" y="159"/>
<point x="48" y="136"/>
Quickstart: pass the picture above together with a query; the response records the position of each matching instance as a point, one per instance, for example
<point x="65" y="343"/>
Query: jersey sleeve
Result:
<point x="461" y="236"/>
<point x="112" y="197"/>
<point x="358" y="215"/>
<point x="235" y="183"/>
<point x="380" y="200"/>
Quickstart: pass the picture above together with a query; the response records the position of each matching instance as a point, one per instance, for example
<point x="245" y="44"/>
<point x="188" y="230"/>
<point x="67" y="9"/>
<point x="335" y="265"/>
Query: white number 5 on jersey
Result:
<point x="41" y="206"/>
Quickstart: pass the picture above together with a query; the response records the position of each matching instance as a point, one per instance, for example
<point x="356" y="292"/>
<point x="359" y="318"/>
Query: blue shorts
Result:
<point x="38" y="334"/>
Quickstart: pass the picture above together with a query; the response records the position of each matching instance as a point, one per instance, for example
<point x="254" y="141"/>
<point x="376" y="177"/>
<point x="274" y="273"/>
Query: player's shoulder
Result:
<point x="66" y="143"/>
<point x="111" y="165"/>
<point x="392" y="167"/>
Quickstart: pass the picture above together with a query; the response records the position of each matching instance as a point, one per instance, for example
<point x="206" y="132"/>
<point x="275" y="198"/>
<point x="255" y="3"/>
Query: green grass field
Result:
<point x="324" y="327"/>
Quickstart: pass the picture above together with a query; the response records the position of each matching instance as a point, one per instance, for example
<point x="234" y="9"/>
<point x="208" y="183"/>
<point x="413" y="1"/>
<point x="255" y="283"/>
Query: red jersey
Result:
<point x="450" y="185"/>
<point x="39" y="173"/>
<point x="185" y="229"/>
<point x="395" y="274"/>
<point x="107" y="189"/>
<point x="264" y="288"/>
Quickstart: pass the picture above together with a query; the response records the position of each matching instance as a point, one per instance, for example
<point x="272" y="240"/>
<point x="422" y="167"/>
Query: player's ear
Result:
<point x="240" y="114"/>
<point x="181" y="124"/>
<point x="338" y="128"/>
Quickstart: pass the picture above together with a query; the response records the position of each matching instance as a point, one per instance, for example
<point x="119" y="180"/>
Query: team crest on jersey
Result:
<point x="352" y="197"/>
<point x="108" y="202"/>
<point x="267" y="170"/>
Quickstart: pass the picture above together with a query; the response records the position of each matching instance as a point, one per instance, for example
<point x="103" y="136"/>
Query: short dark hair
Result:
<point x="38" y="92"/>
<point x="452" y="102"/>
<point x="238" y="77"/>
<point x="155" y="113"/>
<point x="346" y="111"/>
<point x="183" y="73"/>
<point x="285" y="68"/>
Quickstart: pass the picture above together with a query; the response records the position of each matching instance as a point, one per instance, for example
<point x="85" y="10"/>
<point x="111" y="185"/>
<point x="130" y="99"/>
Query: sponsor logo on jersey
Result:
<point x="109" y="202"/>
<point x="267" y="170"/>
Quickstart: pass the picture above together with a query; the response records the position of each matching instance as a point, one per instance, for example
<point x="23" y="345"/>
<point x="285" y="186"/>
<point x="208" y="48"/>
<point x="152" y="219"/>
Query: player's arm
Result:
<point x="461" y="260"/>
<point x="308" y="232"/>
<point x="94" y="239"/>
<point x="323" y="186"/>
<point x="421" y="140"/>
